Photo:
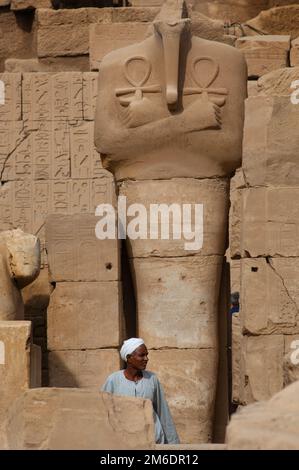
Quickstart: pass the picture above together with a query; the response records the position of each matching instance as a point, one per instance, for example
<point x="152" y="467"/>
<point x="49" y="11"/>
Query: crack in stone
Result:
<point x="22" y="139"/>
<point x="269" y="262"/>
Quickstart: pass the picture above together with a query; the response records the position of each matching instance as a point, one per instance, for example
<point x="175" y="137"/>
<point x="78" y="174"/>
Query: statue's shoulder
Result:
<point x="222" y="51"/>
<point x="116" y="57"/>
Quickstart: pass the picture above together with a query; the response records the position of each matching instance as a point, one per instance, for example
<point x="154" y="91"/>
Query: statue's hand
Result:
<point x="140" y="112"/>
<point x="202" y="114"/>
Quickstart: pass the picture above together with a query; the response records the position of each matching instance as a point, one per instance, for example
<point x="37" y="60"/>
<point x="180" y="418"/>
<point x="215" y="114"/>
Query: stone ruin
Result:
<point x="148" y="101"/>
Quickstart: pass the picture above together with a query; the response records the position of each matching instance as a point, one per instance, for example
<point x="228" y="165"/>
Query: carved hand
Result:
<point x="202" y="114"/>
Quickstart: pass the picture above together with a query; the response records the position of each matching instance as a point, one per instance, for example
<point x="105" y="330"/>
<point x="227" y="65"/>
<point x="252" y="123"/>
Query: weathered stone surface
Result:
<point x="270" y="296"/>
<point x="11" y="101"/>
<point x="66" y="32"/>
<point x="278" y="82"/>
<point x="232" y="10"/>
<point x="271" y="425"/>
<point x="211" y="193"/>
<point x="15" y="345"/>
<point x="35" y="366"/>
<point x="74" y="252"/>
<point x="17" y="36"/>
<point x="177" y="300"/>
<point x="57" y="419"/>
<point x="294" y="55"/>
<point x="280" y="20"/>
<point x="252" y="87"/>
<point x="270" y="146"/>
<point x="266" y="223"/>
<point x="105" y="38"/>
<point x="142" y="15"/>
<point x="90" y="92"/>
<point x="29" y="4"/>
<point x="264" y="53"/>
<point x="84" y="369"/>
<point x="263" y="367"/>
<point x="190" y="389"/>
<point x="84" y="315"/>
<point x="48" y="64"/>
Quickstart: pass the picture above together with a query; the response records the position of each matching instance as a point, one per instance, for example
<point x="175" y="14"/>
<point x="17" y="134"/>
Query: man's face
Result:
<point x="139" y="358"/>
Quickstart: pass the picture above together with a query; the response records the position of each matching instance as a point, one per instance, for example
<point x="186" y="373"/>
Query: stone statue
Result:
<point x="169" y="123"/>
<point x="20" y="265"/>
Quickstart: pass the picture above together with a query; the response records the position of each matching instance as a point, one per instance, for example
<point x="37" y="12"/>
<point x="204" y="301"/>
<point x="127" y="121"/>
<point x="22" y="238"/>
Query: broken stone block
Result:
<point x="15" y="346"/>
<point x="270" y="296"/>
<point x="234" y="10"/>
<point x="264" y="53"/>
<point x="271" y="425"/>
<point x="10" y="97"/>
<point x="270" y="145"/>
<point x="281" y="20"/>
<point x="66" y="32"/>
<point x="189" y="388"/>
<point x="105" y="38"/>
<point x="29" y="4"/>
<point x="83" y="369"/>
<point x="181" y="310"/>
<point x="84" y="315"/>
<point x="64" y="419"/>
<point x="74" y="252"/>
<point x="263" y="367"/>
<point x="278" y="82"/>
<point x="52" y="97"/>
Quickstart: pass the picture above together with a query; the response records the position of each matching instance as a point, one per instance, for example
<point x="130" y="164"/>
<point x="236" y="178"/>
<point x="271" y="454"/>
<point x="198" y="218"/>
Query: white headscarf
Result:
<point x="129" y="347"/>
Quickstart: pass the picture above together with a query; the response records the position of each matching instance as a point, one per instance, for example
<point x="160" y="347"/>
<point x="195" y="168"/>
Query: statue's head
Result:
<point x="23" y="255"/>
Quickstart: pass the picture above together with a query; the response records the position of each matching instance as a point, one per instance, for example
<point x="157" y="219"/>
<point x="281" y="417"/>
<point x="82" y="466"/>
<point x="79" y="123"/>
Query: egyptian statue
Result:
<point x="169" y="124"/>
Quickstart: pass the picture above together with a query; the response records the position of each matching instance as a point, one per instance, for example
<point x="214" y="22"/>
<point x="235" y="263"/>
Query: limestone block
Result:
<point x="181" y="309"/>
<point x="294" y="55"/>
<point x="278" y="82"/>
<point x="264" y="53"/>
<point x="189" y="385"/>
<point x="48" y="64"/>
<point x="90" y="92"/>
<point x="271" y="425"/>
<point x="52" y="97"/>
<point x="29" y="4"/>
<point x="15" y="342"/>
<point x="59" y="419"/>
<point x="281" y="20"/>
<point x="35" y="366"/>
<point x="83" y="369"/>
<point x="212" y="194"/>
<point x="84" y="315"/>
<point x="74" y="252"/>
<point x="10" y="97"/>
<point x="270" y="145"/>
<point x="65" y="32"/>
<point x="105" y="38"/>
<point x="263" y="367"/>
<point x="270" y="295"/>
<point x="267" y="222"/>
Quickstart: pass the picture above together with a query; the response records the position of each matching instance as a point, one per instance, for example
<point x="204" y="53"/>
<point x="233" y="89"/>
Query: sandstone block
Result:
<point x="252" y="87"/>
<point x="281" y="20"/>
<point x="271" y="141"/>
<point x="62" y="419"/>
<point x="29" y="4"/>
<point x="10" y="97"/>
<point x="55" y="97"/>
<point x="84" y="315"/>
<point x="74" y="252"/>
<point x="90" y="92"/>
<point x="146" y="13"/>
<point x="263" y="367"/>
<point x="105" y="38"/>
<point x="294" y="54"/>
<point x="83" y="369"/>
<point x="264" y="53"/>
<point x="65" y="32"/>
<point x="181" y="311"/>
<point x="189" y="385"/>
<point x="48" y="64"/>
<point x="278" y="82"/>
<point x="233" y="10"/>
<point x="270" y="296"/>
<point x="15" y="345"/>
<point x="35" y="366"/>
<point x="270" y="425"/>
<point x="212" y="194"/>
<point x="11" y="136"/>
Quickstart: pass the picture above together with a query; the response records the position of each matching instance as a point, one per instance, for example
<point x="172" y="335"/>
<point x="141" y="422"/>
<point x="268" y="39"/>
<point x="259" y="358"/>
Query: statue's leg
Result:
<point x="177" y="297"/>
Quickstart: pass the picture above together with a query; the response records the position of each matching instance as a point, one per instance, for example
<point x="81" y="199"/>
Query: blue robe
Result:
<point x="148" y="387"/>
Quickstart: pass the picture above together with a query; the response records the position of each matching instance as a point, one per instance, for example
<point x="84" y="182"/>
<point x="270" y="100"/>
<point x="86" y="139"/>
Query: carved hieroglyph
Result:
<point x="169" y="122"/>
<point x="20" y="265"/>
